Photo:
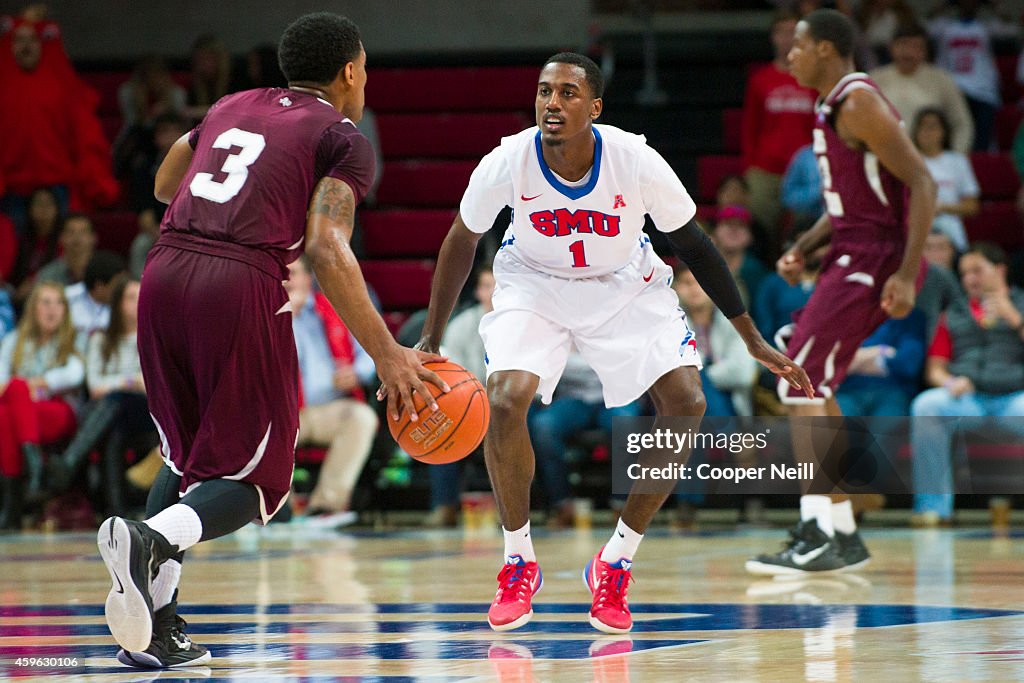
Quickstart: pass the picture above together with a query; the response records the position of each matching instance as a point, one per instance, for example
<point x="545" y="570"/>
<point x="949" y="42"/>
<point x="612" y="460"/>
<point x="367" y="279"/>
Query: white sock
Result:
<point x="623" y="544"/>
<point x="518" y="542"/>
<point x="179" y="524"/>
<point x="842" y="517"/>
<point x="818" y="508"/>
<point x="165" y="583"/>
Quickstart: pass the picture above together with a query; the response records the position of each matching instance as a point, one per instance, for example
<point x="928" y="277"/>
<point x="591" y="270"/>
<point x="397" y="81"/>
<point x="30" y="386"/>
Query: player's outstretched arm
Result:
<point x="865" y="117"/>
<point x="454" y="262"/>
<point x="172" y="169"/>
<point x="329" y="226"/>
<point x="692" y="245"/>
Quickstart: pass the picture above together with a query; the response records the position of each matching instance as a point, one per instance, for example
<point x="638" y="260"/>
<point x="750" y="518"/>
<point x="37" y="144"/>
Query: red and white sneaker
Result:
<point x="518" y="582"/>
<point x="608" y="583"/>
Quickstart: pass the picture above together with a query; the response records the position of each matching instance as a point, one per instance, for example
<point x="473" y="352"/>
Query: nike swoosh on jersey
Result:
<point x="529" y="199"/>
<point x="807" y="557"/>
<point x="648" y="278"/>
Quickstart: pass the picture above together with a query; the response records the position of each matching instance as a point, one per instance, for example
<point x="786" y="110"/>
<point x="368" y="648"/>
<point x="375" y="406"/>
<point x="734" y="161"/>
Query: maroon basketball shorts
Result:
<point x="843" y="311"/>
<point x="218" y="358"/>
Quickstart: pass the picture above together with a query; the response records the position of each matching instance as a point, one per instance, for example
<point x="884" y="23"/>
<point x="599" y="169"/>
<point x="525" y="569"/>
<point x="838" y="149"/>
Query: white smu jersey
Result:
<point x="576" y="230"/>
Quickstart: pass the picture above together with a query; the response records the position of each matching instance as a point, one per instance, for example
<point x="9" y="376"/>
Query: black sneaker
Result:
<point x="170" y="646"/>
<point x="853" y="551"/>
<point x="133" y="553"/>
<point x="809" y="549"/>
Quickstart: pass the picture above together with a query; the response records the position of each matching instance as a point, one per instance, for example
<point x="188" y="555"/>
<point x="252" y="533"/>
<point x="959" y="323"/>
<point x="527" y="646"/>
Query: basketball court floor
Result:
<point x="288" y="604"/>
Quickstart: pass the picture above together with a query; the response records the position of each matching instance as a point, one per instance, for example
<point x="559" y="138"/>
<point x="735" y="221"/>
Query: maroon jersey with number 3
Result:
<point x="258" y="155"/>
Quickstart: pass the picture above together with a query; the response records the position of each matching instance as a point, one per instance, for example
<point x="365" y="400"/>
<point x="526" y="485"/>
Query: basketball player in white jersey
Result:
<point x="576" y="268"/>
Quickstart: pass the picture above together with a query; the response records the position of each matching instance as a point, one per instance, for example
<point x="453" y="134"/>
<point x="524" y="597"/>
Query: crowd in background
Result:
<point x="73" y="413"/>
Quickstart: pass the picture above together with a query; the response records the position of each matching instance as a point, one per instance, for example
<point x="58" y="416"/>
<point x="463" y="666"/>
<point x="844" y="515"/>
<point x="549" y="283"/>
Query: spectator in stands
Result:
<point x="577" y="406"/>
<point x="463" y="345"/>
<point x="733" y="236"/>
<point x="879" y="21"/>
<point x="7" y="317"/>
<point x="89" y="300"/>
<point x="911" y="83"/>
<point x="939" y="250"/>
<point x="732" y="191"/>
<point x="52" y="136"/>
<point x="778" y="116"/>
<point x="211" y="75"/>
<point x="940" y="288"/>
<point x="958" y="189"/>
<point x="801" y="189"/>
<point x="886" y="370"/>
<point x="975" y="367"/>
<point x="261" y="70"/>
<point x="368" y="127"/>
<point x="729" y="371"/>
<point x="963" y="45"/>
<point x="333" y="412"/>
<point x="39" y="371"/>
<point x="149" y="93"/>
<point x="777" y="300"/>
<point x="117" y="416"/>
<point x="149" y="231"/>
<point x="38" y="246"/>
<point x="77" y="242"/>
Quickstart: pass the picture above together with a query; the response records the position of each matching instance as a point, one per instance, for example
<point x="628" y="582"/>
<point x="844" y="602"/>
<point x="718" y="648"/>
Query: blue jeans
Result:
<point x="878" y="402"/>
<point x="550" y="429"/>
<point x="931" y="440"/>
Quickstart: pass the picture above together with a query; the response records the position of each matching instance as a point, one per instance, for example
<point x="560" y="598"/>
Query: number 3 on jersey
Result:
<point x="236" y="166"/>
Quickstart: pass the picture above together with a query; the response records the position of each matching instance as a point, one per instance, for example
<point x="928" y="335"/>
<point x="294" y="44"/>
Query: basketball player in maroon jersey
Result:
<point x="267" y="174"/>
<point x="880" y="203"/>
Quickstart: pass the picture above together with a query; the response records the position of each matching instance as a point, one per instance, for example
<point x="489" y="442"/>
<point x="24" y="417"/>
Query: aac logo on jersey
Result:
<point x="562" y="222"/>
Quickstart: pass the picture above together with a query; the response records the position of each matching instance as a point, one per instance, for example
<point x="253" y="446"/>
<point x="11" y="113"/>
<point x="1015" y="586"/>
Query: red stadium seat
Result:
<point x="400" y="284"/>
<point x="394" y="320"/>
<point x="710" y="171"/>
<point x="115" y="230"/>
<point x="445" y="136"/>
<point x="452" y="89"/>
<point x="424" y="183"/>
<point x="996" y="174"/>
<point x="1008" y="86"/>
<point x="999" y="222"/>
<point x="397" y="232"/>
<point x="706" y="214"/>
<point x="1008" y="119"/>
<point x="732" y="130"/>
<point x="106" y="84"/>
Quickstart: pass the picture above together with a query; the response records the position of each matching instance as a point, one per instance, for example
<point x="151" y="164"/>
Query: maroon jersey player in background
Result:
<point x="880" y="203"/>
<point x="268" y="173"/>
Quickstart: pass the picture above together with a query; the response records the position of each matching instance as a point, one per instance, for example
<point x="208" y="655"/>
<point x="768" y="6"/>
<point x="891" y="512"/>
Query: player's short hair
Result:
<point x="991" y="252"/>
<point x="317" y="46"/>
<point x="103" y="267"/>
<point x="595" y="79"/>
<point x="833" y="26"/>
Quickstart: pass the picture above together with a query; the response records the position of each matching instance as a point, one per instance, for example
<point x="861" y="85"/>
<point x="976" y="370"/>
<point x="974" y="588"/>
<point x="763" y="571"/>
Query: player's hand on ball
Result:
<point x="790" y="266"/>
<point x="898" y="296"/>
<point x="402" y="374"/>
<point x="779" y="364"/>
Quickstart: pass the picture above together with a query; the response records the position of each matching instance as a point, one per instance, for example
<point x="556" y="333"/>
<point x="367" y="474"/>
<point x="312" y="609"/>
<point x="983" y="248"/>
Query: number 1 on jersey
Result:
<point x="579" y="258"/>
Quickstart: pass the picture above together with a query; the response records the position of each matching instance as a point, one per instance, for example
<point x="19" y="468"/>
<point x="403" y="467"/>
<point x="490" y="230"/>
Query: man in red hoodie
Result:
<point x="52" y="136"/>
<point x="332" y="408"/>
<point x="778" y="116"/>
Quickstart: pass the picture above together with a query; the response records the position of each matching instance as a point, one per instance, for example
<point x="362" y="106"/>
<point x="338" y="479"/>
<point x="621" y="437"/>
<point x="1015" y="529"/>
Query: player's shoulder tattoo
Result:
<point x="334" y="199"/>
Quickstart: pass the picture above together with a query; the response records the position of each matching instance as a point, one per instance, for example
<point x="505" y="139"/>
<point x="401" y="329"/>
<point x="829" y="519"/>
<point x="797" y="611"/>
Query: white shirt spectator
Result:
<point x="955" y="179"/>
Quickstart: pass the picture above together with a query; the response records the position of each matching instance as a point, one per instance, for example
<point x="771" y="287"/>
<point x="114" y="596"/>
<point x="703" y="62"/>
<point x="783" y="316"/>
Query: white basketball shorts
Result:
<point x="627" y="325"/>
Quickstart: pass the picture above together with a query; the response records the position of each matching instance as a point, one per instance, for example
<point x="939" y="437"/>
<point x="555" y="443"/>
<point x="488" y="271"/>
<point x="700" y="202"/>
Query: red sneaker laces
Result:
<point x="512" y="574"/>
<point x="612" y="586"/>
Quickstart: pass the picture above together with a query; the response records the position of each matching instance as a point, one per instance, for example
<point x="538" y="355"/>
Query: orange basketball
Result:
<point x="455" y="429"/>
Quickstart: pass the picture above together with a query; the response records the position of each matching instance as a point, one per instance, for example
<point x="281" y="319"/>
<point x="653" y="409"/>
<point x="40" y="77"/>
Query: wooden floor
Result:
<point x="289" y="604"/>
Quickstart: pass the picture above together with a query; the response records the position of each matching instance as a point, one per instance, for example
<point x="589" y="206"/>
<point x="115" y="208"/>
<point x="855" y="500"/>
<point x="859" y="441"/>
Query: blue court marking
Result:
<point x="678" y="617"/>
<point x="425" y="649"/>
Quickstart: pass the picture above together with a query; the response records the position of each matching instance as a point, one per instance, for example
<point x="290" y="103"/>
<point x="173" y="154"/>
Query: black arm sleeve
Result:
<point x="692" y="245"/>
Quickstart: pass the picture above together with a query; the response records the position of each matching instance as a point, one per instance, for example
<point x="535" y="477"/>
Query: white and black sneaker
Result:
<point x="808" y="550"/>
<point x="171" y="647"/>
<point x="133" y="553"/>
<point x="853" y="551"/>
